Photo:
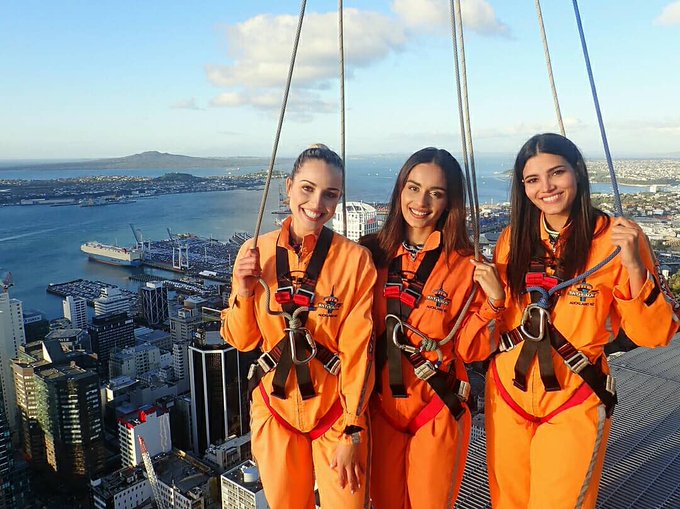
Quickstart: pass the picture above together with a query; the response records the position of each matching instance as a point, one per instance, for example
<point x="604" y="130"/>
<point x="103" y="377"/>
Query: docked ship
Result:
<point x="113" y="255"/>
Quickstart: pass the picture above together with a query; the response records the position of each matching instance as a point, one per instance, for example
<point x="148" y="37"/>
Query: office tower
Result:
<point x="111" y="300"/>
<point x="184" y="325"/>
<point x="36" y="326"/>
<point x="154" y="302"/>
<point x="217" y="385"/>
<point x="362" y="219"/>
<point x="109" y="331"/>
<point x="12" y="336"/>
<point x="58" y="395"/>
<point x="134" y="361"/>
<point x="151" y="423"/>
<point x="75" y="309"/>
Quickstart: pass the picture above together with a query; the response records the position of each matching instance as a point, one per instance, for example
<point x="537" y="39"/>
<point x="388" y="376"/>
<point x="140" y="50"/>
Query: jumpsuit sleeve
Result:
<point x="478" y="336"/>
<point x="648" y="318"/>
<point x="239" y="324"/>
<point x="356" y="346"/>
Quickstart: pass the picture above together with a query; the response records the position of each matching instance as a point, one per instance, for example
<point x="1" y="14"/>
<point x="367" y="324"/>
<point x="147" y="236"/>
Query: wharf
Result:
<point x="88" y="290"/>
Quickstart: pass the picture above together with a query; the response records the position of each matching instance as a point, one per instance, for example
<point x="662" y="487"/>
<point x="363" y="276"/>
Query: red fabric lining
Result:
<point x="428" y="413"/>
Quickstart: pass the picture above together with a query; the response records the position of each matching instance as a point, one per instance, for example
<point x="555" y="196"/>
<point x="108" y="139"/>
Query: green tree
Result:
<point x="674" y="284"/>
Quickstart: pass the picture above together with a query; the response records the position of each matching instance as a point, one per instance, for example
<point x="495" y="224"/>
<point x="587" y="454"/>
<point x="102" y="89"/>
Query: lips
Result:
<point x="420" y="214"/>
<point x="312" y="215"/>
<point x="552" y="198"/>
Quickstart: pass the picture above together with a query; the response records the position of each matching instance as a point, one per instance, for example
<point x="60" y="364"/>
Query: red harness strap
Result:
<point x="323" y="425"/>
<point x="577" y="398"/>
<point x="428" y="413"/>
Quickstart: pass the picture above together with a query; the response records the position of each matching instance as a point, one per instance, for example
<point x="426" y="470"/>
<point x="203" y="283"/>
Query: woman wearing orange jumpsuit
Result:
<point x="308" y="421"/>
<point x="421" y="423"/>
<point x="549" y="399"/>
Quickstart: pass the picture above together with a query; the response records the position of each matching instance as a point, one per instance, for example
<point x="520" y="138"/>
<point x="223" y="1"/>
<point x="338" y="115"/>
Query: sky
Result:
<point x="82" y="79"/>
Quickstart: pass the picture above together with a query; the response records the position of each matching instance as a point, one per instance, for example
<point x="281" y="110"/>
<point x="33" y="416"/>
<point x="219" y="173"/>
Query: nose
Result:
<point x="546" y="183"/>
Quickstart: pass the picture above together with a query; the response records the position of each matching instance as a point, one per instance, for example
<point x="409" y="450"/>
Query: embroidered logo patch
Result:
<point x="440" y="300"/>
<point x="330" y="305"/>
<point x="585" y="294"/>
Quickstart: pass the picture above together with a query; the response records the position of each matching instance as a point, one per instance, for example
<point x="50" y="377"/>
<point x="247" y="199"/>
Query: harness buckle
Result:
<point x="252" y="370"/>
<point x="425" y="370"/>
<point x="303" y="297"/>
<point x="577" y="362"/>
<point x="410" y="297"/>
<point x="540" y="279"/>
<point x="463" y="392"/>
<point x="610" y="385"/>
<point x="284" y="295"/>
<point x="544" y="318"/>
<point x="392" y="290"/>
<point x="266" y="362"/>
<point x="333" y="365"/>
<point x="505" y="343"/>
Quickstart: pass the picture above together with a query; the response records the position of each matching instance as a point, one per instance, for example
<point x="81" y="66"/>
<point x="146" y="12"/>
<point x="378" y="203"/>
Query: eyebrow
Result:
<point x="315" y="185"/>
<point x="420" y="185"/>
<point x="546" y="171"/>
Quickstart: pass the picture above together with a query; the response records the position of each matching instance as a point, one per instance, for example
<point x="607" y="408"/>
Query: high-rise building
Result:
<point x="61" y="409"/>
<point x="153" y="425"/>
<point x="12" y="336"/>
<point x="36" y="326"/>
<point x="362" y="219"/>
<point x="217" y="386"/>
<point x="134" y="361"/>
<point x="109" y="331"/>
<point x="184" y="325"/>
<point x="75" y="309"/>
<point x="154" y="302"/>
<point x="111" y="300"/>
<point x="242" y="488"/>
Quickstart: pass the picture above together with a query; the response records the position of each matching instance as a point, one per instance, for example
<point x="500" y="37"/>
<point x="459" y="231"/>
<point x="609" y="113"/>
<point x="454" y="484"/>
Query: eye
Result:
<point x="559" y="171"/>
<point x="437" y="194"/>
<point x="413" y="188"/>
<point x="531" y="180"/>
<point x="332" y="195"/>
<point x="307" y="188"/>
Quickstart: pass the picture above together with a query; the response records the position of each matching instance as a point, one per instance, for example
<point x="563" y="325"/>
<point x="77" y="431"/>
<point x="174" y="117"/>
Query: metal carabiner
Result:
<point x="293" y="350"/>
<point x="544" y="318"/>
<point x="406" y="348"/>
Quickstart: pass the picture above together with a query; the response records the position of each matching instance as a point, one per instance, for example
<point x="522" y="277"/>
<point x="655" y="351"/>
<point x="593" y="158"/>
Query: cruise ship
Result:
<point x="113" y="255"/>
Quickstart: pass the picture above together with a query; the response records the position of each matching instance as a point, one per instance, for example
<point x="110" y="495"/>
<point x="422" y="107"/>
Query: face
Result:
<point x="423" y="200"/>
<point x="550" y="184"/>
<point x="313" y="195"/>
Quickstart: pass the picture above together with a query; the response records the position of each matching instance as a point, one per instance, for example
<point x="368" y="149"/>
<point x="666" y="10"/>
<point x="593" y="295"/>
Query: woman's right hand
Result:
<point x="247" y="271"/>
<point x="486" y="276"/>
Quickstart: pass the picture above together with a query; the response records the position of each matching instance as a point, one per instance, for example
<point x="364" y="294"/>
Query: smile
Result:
<point x="552" y="198"/>
<point x="419" y="213"/>
<point x="311" y="214"/>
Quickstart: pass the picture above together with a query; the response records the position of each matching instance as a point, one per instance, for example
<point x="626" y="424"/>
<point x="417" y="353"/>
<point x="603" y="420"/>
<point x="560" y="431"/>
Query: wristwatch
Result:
<point x="352" y="434"/>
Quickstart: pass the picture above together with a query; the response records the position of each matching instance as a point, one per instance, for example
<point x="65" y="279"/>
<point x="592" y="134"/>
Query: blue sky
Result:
<point x="85" y="79"/>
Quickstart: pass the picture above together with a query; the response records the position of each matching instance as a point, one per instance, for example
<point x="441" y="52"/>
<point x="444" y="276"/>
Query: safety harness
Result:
<point x="297" y="338"/>
<point x="539" y="335"/>
<point x="403" y="296"/>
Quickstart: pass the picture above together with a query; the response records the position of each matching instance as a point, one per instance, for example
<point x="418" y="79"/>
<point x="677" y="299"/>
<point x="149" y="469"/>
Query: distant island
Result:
<point x="149" y="160"/>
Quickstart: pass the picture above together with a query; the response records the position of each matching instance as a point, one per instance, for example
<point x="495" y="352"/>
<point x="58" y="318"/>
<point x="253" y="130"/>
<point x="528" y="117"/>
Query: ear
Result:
<point x="289" y="185"/>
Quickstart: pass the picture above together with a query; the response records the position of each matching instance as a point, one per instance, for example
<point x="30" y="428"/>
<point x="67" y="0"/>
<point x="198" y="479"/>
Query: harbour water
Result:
<point x="41" y="244"/>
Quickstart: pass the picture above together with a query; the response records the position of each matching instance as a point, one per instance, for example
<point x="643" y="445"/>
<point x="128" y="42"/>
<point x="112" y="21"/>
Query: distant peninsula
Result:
<point x="148" y="160"/>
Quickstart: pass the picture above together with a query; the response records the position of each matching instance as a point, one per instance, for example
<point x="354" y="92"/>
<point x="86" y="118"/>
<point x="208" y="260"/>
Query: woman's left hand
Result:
<point x="346" y="464"/>
<point x="626" y="235"/>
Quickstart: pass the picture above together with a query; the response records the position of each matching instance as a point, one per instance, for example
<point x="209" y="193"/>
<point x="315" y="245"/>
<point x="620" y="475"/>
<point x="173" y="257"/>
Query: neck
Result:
<point x="417" y="236"/>
<point x="297" y="236"/>
<point x="555" y="223"/>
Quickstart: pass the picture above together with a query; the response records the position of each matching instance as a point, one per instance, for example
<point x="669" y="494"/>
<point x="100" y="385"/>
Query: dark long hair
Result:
<point x="525" y="216"/>
<point x="451" y="223"/>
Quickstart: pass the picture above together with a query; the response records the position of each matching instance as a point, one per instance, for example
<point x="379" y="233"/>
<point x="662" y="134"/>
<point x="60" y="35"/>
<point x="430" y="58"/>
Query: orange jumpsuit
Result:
<point x="289" y="455"/>
<point x="419" y="448"/>
<point x="546" y="449"/>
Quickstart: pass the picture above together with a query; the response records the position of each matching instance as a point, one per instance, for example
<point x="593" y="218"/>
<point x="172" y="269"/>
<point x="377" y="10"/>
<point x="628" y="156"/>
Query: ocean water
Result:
<point x="41" y="244"/>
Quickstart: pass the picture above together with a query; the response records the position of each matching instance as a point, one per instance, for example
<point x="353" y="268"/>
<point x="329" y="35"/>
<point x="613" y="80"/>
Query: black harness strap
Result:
<point x="401" y="302"/>
<point x="304" y="296"/>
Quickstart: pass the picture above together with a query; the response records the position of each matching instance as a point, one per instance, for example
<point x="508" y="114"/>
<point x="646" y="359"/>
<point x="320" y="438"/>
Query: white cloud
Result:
<point x="478" y="15"/>
<point x="670" y="15"/>
<point x="260" y="51"/>
<point x="186" y="104"/>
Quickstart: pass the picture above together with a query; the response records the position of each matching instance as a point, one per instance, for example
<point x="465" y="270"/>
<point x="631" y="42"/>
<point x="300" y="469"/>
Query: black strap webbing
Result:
<point x="308" y="284"/>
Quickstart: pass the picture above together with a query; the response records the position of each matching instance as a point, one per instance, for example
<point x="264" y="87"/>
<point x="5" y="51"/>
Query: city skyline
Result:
<point x="91" y="81"/>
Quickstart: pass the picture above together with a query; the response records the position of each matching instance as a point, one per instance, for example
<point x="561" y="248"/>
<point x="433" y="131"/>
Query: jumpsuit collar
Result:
<point x="432" y="242"/>
<point x="286" y="241"/>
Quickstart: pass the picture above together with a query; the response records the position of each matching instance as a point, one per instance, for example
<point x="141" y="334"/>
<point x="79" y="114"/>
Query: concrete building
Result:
<point x="155" y="337"/>
<point x="12" y="336"/>
<point x="219" y="409"/>
<point x="242" y="488"/>
<point x="111" y="300"/>
<point x="36" y="326"/>
<point x="362" y="219"/>
<point x="108" y="332"/>
<point x="123" y="489"/>
<point x="134" y="361"/>
<point x="153" y="298"/>
<point x="75" y="310"/>
<point x="71" y="339"/>
<point x="151" y="423"/>
<point x="227" y="455"/>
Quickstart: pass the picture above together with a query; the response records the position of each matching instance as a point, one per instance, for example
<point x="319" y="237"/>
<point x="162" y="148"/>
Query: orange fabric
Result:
<point x="342" y="323"/>
<point x="588" y="314"/>
<point x="291" y="463"/>
<point x="427" y="473"/>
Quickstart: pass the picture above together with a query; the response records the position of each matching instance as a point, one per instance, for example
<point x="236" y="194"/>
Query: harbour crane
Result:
<point x="151" y="474"/>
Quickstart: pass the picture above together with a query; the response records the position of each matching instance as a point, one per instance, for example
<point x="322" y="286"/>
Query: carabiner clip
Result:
<point x="544" y="318"/>
<point x="293" y="350"/>
<point x="406" y="348"/>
